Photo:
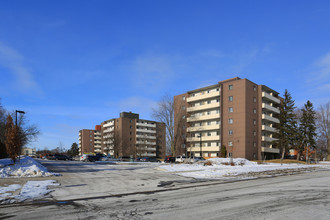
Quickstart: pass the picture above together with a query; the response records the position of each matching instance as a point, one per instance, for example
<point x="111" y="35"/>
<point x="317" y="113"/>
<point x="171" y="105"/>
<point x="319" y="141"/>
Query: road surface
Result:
<point x="84" y="194"/>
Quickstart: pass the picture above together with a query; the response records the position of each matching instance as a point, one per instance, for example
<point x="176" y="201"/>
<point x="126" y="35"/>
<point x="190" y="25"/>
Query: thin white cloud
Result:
<point x="152" y="72"/>
<point x="135" y="104"/>
<point x="14" y="62"/>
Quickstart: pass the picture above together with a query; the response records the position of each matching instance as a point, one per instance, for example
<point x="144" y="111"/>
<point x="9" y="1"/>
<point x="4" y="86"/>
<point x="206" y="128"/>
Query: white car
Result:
<point x="180" y="159"/>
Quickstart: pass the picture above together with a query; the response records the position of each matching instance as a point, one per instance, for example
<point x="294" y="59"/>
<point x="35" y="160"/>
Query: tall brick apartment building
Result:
<point x="235" y="113"/>
<point x="125" y="136"/>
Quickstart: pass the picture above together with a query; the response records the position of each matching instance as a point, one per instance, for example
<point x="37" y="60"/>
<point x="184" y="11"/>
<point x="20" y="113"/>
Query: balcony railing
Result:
<point x="270" y="97"/>
<point x="146" y="125"/>
<point x="270" y="118"/>
<point x="203" y="118"/>
<point x="204" y="138"/>
<point x="204" y="149"/>
<point x="268" y="139"/>
<point x="203" y="107"/>
<point x="146" y="131"/>
<point x="204" y="128"/>
<point x="270" y="150"/>
<point x="204" y="96"/>
<point x="270" y="108"/>
<point x="270" y="129"/>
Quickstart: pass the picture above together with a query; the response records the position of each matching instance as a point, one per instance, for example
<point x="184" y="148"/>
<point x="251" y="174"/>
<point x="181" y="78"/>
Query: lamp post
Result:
<point x="18" y="111"/>
<point x="200" y="145"/>
<point x="21" y="112"/>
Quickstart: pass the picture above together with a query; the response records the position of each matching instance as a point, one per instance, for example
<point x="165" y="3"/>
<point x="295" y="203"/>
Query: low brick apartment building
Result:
<point x="127" y="135"/>
<point x="235" y="113"/>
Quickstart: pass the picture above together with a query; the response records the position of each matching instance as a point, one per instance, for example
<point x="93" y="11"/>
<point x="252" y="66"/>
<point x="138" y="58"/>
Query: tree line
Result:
<point x="304" y="129"/>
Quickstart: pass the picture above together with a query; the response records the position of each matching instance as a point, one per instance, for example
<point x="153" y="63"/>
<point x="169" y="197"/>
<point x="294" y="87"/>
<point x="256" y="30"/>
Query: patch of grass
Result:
<point x="279" y="161"/>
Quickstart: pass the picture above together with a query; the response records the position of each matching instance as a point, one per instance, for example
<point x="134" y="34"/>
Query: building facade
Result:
<point x="90" y="141"/>
<point x="129" y="135"/>
<point x="235" y="113"/>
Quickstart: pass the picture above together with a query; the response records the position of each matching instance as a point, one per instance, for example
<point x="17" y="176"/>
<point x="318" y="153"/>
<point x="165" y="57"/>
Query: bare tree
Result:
<point x="3" y="152"/>
<point x="175" y="124"/>
<point x="323" y="124"/>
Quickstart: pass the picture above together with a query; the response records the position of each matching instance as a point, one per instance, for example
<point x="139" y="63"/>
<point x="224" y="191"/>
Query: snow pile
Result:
<point x="236" y="161"/>
<point x="30" y="191"/>
<point x="220" y="169"/>
<point x="25" y="167"/>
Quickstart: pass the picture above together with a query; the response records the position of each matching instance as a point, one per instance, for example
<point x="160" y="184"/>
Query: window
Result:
<point x="209" y="102"/>
<point x="230" y="143"/>
<point x="183" y="146"/>
<point x="254" y="88"/>
<point x="255" y="111"/>
<point x="217" y="111"/>
<point x="130" y="121"/>
<point x="183" y="117"/>
<point x="90" y="135"/>
<point x="230" y="98"/>
<point x="218" y="100"/>
<point x="254" y="144"/>
<point x="230" y="87"/>
<point x="183" y="97"/>
<point x="90" y="140"/>
<point x="209" y="112"/>
<point x="254" y="156"/>
<point x="230" y="109"/>
<point x="218" y="143"/>
<point x="217" y="122"/>
<point x="230" y="121"/>
<point x="218" y="133"/>
<point x="183" y="107"/>
<point x="209" y="144"/>
<point x="217" y="89"/>
<point x="208" y="133"/>
<point x="254" y="133"/>
<point x="208" y="91"/>
<point x="254" y="99"/>
<point x="230" y="132"/>
<point x="208" y="123"/>
<point x="130" y="126"/>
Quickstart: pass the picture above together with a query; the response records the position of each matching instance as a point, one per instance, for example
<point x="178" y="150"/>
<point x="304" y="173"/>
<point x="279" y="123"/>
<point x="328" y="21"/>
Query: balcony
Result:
<point x="204" y="96"/>
<point x="270" y="108"/>
<point x="149" y="154"/>
<point x="204" y="128"/>
<point x="203" y="107"/>
<point x="146" y="142"/>
<point x="146" y="125"/>
<point x="270" y="129"/>
<point x="204" y="149"/>
<point x="270" y="118"/>
<point x="145" y="136"/>
<point x="203" y="118"/>
<point x="146" y="131"/>
<point x="108" y="124"/>
<point x="270" y="97"/>
<point x="268" y="139"/>
<point x="204" y="138"/>
<point x="270" y="150"/>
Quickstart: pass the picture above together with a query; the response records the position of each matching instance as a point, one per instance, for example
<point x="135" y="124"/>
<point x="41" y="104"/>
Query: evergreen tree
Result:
<point x="287" y="128"/>
<point x="12" y="141"/>
<point x="74" y="151"/>
<point x="308" y="125"/>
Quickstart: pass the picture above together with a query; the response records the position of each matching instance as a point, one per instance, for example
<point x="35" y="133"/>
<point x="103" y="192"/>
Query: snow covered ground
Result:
<point x="26" y="167"/>
<point x="243" y="168"/>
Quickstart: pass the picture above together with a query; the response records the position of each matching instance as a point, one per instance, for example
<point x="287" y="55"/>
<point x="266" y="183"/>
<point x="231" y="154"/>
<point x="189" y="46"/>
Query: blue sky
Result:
<point x="73" y="64"/>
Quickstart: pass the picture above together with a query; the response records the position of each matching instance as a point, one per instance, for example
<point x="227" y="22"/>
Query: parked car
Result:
<point x="126" y="158"/>
<point x="149" y="159"/>
<point x="180" y="159"/>
<point x="169" y="160"/>
<point x="196" y="159"/>
<point x="61" y="157"/>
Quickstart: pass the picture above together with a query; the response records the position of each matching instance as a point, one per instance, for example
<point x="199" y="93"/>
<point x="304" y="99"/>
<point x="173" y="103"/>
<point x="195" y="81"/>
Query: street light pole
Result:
<point x="200" y="145"/>
<point x="18" y="111"/>
<point x="21" y="112"/>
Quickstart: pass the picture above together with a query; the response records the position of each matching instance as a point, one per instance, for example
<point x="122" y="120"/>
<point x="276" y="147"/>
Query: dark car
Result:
<point x="169" y="160"/>
<point x="61" y="157"/>
<point x="149" y="159"/>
